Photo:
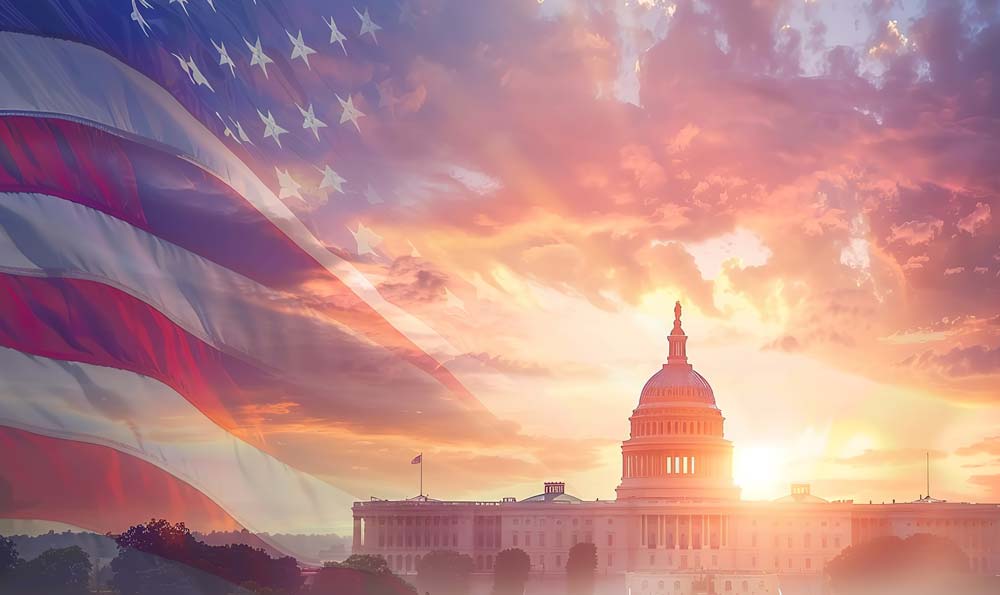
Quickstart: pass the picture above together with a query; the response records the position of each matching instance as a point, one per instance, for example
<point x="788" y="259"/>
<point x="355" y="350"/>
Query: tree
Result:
<point x="580" y="567"/>
<point x="337" y="579"/>
<point x="445" y="572"/>
<point x="920" y="564"/>
<point x="158" y="557"/>
<point x="365" y="562"/>
<point x="9" y="558"/>
<point x="510" y="572"/>
<point x="63" y="571"/>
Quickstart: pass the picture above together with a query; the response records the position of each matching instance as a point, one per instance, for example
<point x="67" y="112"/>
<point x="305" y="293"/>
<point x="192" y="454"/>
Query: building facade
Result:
<point x="678" y="520"/>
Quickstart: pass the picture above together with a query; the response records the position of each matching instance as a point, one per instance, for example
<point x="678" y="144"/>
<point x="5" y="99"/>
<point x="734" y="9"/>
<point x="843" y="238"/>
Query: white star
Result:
<point x="331" y="179"/>
<point x="350" y="113"/>
<point x="367" y="25"/>
<point x="197" y="76"/>
<point x="224" y="59"/>
<point x="271" y="128"/>
<point x="335" y="35"/>
<point x="183" y="4"/>
<point x="366" y="239"/>
<point x="212" y="4"/>
<point x="138" y="18"/>
<point x="240" y="132"/>
<point x="310" y="120"/>
<point x="371" y="195"/>
<point x="228" y="131"/>
<point x="289" y="187"/>
<point x="184" y="66"/>
<point x="300" y="49"/>
<point x="258" y="56"/>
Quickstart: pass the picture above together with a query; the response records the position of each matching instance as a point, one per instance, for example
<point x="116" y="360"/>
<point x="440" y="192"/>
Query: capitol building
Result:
<point x="677" y="525"/>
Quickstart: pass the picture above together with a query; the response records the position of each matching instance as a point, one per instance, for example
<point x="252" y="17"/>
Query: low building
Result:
<point x="678" y="517"/>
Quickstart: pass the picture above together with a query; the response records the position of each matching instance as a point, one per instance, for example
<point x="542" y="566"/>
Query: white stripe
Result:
<point x="49" y="76"/>
<point x="50" y="236"/>
<point x="143" y="418"/>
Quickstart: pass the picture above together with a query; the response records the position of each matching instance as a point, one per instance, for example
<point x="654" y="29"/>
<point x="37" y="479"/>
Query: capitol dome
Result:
<point x="676" y="448"/>
<point x="677" y="384"/>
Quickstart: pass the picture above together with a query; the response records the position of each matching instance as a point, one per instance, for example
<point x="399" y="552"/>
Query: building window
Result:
<point x="514" y="537"/>
<point x="611" y="559"/>
<point x="808" y="563"/>
<point x="729" y="586"/>
<point x="527" y="540"/>
<point x="558" y="561"/>
<point x="611" y="539"/>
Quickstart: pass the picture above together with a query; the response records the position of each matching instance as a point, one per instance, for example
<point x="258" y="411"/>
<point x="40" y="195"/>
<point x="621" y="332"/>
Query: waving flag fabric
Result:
<point x="158" y="292"/>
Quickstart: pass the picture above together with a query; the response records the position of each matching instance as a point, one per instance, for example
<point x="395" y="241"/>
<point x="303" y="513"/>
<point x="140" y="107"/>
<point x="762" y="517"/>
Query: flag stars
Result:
<point x="183" y="4"/>
<point x="196" y="75"/>
<point x="349" y="113"/>
<point x="224" y="59"/>
<point x="240" y="132"/>
<point x="138" y="18"/>
<point x="288" y="187"/>
<point x="367" y="24"/>
<point x="335" y="35"/>
<point x="366" y="239"/>
<point x="310" y="121"/>
<point x="184" y="65"/>
<point x="300" y="49"/>
<point x="227" y="131"/>
<point x="271" y="128"/>
<point x="257" y="56"/>
<point x="331" y="179"/>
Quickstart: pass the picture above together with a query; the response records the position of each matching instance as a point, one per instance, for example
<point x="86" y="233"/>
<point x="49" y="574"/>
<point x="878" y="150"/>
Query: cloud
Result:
<point x="960" y="361"/>
<point x="916" y="232"/>
<point x="975" y="220"/>
<point x="988" y="446"/>
<point x="916" y="262"/>
<point x="411" y="280"/>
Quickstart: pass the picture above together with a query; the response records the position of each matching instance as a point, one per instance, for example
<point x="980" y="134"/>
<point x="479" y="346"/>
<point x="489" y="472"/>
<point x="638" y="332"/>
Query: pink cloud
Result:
<point x="975" y="220"/>
<point x="916" y="232"/>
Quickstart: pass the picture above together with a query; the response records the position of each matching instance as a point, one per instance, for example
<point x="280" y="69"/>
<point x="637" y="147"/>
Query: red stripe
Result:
<point x="180" y="203"/>
<point x="85" y="321"/>
<point x="89" y="322"/>
<point x="94" y="487"/>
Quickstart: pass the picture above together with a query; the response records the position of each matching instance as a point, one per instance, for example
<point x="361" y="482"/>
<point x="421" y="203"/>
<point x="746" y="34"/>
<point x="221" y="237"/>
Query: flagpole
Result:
<point x="421" y="474"/>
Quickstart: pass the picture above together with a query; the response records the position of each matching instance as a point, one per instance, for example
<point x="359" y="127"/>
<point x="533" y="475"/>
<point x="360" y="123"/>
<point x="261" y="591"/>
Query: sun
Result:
<point x="760" y="472"/>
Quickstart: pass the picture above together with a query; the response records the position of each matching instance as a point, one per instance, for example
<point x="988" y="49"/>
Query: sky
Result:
<point x="537" y="182"/>
<point x="816" y="181"/>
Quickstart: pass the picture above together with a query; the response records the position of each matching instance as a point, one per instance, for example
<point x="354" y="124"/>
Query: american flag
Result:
<point x="161" y="280"/>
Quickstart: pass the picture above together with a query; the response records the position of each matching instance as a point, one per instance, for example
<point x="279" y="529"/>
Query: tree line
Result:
<point x="160" y="558"/>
